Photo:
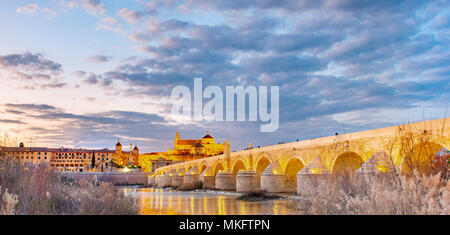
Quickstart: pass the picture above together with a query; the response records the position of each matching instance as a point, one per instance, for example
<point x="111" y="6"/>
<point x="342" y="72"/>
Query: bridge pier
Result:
<point x="208" y="179"/>
<point x="166" y="179"/>
<point x="246" y="181"/>
<point x="272" y="179"/>
<point x="156" y="183"/>
<point x="378" y="163"/>
<point x="311" y="176"/>
<point x="177" y="179"/>
<point x="225" y="181"/>
<point x="191" y="176"/>
<point x="151" y="180"/>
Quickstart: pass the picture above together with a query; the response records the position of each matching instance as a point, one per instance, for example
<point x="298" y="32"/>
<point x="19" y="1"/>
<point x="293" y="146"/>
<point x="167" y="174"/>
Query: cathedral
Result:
<point x="124" y="158"/>
<point x="195" y="148"/>
<point x="183" y="150"/>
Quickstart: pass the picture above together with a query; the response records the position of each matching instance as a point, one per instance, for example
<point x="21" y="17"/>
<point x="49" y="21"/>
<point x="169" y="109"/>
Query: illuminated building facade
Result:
<point x="183" y="150"/>
<point x="124" y="158"/>
<point x="73" y="160"/>
<point x="61" y="159"/>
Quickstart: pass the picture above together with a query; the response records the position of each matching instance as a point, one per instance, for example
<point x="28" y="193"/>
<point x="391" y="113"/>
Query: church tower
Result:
<point x="130" y="158"/>
<point x="198" y="148"/>
<point x="177" y="137"/>
<point x="118" y="147"/>
<point x="135" y="155"/>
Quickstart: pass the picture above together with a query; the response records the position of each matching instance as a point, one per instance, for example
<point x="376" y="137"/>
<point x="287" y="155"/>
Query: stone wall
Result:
<point x="114" y="178"/>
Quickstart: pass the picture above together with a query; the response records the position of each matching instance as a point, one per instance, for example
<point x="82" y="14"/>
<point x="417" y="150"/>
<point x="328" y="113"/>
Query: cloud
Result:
<point x="7" y="121"/>
<point x="67" y="4"/>
<point x="34" y="107"/>
<point x="99" y="58"/>
<point x="91" y="79"/>
<point x="130" y="16"/>
<point x="29" y="66"/>
<point x="28" y="9"/>
<point x="91" y="128"/>
<point x="93" y="7"/>
<point x="54" y="85"/>
<point x="30" y="61"/>
<point x="50" y="13"/>
<point x="110" y="24"/>
<point x="33" y="8"/>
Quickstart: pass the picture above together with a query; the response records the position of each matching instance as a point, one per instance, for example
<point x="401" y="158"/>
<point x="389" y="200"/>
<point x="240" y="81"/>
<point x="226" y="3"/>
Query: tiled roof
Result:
<point x="208" y="137"/>
<point x="187" y="142"/>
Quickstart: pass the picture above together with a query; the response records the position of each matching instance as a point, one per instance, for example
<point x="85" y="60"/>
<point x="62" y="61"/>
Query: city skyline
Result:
<point x="85" y="73"/>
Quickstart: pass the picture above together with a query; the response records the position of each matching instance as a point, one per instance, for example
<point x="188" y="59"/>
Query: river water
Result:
<point x="155" y="201"/>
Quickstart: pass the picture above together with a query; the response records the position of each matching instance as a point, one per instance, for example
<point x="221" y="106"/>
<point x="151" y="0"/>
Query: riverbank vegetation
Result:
<point x="419" y="186"/>
<point x="42" y="191"/>
<point x="381" y="195"/>
<point x="256" y="196"/>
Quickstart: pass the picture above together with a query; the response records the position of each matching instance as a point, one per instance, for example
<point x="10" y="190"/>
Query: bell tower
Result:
<point x="118" y="147"/>
<point x="177" y="137"/>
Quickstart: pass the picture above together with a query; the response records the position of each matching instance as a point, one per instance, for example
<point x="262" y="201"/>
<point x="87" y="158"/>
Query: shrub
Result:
<point x="257" y="196"/>
<point x="40" y="190"/>
<point x="198" y="185"/>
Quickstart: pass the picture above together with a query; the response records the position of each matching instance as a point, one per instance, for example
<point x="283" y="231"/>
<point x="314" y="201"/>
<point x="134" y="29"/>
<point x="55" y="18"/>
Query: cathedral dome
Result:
<point x="118" y="144"/>
<point x="135" y="148"/>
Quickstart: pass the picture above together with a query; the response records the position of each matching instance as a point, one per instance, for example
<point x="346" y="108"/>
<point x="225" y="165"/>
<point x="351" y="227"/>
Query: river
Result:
<point x="155" y="201"/>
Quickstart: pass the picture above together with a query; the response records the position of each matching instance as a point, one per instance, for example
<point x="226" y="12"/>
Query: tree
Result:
<point x="93" y="160"/>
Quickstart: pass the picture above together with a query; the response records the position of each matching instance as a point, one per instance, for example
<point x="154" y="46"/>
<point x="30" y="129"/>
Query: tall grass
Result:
<point x="40" y="190"/>
<point x="380" y="195"/>
<point x="420" y="187"/>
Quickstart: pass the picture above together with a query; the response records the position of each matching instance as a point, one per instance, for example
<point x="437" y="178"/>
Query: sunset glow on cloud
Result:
<point x="84" y="73"/>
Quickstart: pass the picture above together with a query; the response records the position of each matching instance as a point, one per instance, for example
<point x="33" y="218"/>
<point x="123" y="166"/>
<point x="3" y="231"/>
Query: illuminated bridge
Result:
<point x="284" y="167"/>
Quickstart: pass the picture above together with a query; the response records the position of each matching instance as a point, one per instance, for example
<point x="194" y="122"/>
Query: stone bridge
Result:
<point x="284" y="167"/>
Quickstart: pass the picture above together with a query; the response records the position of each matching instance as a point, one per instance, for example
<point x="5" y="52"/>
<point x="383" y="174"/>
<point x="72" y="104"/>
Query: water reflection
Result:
<point x="155" y="201"/>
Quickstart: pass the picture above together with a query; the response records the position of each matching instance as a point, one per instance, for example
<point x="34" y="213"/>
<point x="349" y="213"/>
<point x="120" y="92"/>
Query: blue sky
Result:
<point x="84" y="73"/>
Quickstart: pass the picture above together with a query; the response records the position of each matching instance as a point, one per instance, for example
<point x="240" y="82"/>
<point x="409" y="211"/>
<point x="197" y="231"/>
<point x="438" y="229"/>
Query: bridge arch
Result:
<point x="293" y="166"/>
<point x="260" y="165"/>
<point x="238" y="165"/>
<point x="218" y="166"/>
<point x="423" y="157"/>
<point x="202" y="167"/>
<point x="347" y="163"/>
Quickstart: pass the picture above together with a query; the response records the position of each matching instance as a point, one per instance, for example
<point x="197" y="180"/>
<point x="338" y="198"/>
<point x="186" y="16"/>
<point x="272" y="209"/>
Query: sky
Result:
<point x="85" y="73"/>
